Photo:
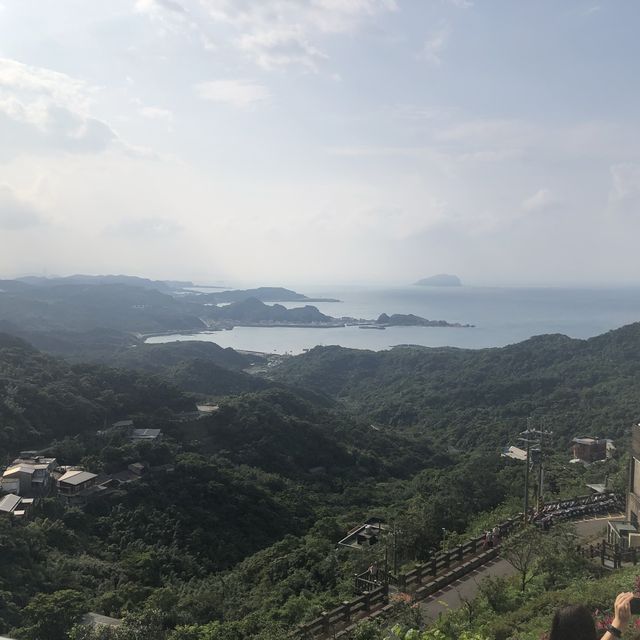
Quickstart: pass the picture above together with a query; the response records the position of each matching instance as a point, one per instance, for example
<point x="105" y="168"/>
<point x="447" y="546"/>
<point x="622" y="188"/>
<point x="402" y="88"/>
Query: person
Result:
<point x="575" y="622"/>
<point x="490" y="539"/>
<point x="496" y="534"/>
<point x="487" y="540"/>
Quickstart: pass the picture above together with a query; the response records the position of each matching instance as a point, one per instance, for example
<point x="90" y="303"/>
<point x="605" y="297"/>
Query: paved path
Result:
<point x="466" y="588"/>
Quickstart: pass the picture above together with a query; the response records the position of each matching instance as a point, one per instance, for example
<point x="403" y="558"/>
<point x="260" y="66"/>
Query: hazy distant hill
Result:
<point x="440" y="280"/>
<point x="82" y="307"/>
<point x="106" y="279"/>
<point x="76" y="307"/>
<point x="13" y="285"/>
<point x="253" y="310"/>
<point x="266" y="294"/>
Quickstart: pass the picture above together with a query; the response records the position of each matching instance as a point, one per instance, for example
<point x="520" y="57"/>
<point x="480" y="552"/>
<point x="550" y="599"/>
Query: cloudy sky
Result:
<point x="290" y="141"/>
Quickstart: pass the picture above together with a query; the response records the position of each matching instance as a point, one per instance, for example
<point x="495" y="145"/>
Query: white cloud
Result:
<point x="272" y="33"/>
<point x="275" y="48"/>
<point x="41" y="108"/>
<point x="327" y="16"/>
<point x="624" y="196"/>
<point x="38" y="81"/>
<point x="154" y="7"/>
<point x="156" y="113"/>
<point x="435" y="44"/>
<point x="16" y="213"/>
<point x="173" y="17"/>
<point x="149" y="227"/>
<point x="238" y="93"/>
<point x="541" y="200"/>
<point x="490" y="131"/>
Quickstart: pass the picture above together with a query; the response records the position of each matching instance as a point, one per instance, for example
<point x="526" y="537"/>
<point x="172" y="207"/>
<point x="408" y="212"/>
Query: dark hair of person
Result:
<point x="573" y="623"/>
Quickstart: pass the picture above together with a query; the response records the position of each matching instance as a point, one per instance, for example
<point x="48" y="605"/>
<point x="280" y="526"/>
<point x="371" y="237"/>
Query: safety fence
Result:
<point x="610" y="555"/>
<point x="440" y="563"/>
<point x="440" y="571"/>
<point x="424" y="580"/>
<point x="336" y="623"/>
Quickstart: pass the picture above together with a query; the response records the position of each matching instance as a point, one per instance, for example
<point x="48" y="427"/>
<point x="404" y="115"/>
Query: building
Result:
<point x="633" y="496"/>
<point x="589" y="449"/>
<point x="626" y="533"/>
<point x="365" y="535"/>
<point x="98" y="620"/>
<point x="207" y="408"/>
<point x="123" y="424"/>
<point x="14" y="505"/>
<point x="29" y="476"/>
<point x="75" y="481"/>
<point x="132" y="473"/>
<point x="146" y="434"/>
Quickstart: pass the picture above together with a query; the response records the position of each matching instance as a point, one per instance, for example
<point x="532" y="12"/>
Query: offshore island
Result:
<point x="440" y="280"/>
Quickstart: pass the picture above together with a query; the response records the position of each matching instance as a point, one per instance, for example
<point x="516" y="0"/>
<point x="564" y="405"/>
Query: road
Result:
<point x="466" y="588"/>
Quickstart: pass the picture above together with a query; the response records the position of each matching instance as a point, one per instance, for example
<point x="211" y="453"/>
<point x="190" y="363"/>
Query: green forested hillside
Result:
<point x="232" y="532"/>
<point x="474" y="397"/>
<point x="42" y="397"/>
<point x="236" y="521"/>
<point x="198" y="367"/>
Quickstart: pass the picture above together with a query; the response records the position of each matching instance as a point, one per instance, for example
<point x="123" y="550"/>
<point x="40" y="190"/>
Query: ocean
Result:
<point x="501" y="316"/>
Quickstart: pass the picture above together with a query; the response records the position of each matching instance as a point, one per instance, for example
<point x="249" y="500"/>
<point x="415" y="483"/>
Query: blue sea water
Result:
<point x="501" y="316"/>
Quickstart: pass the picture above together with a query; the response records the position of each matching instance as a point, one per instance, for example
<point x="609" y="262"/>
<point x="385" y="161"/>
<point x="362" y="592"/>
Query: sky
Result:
<point x="321" y="141"/>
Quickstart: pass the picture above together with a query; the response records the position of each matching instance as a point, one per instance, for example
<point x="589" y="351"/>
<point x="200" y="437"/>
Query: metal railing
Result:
<point x="444" y="568"/>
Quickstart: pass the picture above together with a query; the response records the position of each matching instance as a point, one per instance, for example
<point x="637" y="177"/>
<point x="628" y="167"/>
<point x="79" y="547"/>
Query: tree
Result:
<point x="146" y="625"/>
<point x="523" y="552"/>
<point x="49" y="616"/>
<point x="398" y="633"/>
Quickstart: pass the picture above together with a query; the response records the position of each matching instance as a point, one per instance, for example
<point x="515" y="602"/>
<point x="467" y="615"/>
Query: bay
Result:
<point x="501" y="316"/>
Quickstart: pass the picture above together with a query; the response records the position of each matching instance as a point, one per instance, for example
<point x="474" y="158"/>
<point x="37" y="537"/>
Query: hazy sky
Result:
<point x="284" y="141"/>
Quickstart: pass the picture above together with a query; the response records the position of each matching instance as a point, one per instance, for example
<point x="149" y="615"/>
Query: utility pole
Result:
<point x="395" y="551"/>
<point x="533" y="437"/>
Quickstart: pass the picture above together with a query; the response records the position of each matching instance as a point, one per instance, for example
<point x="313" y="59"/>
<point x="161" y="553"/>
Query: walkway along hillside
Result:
<point x="442" y="570"/>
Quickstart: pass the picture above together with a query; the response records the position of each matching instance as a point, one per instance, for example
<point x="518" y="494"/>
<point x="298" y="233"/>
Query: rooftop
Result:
<point x="77" y="477"/>
<point x="9" y="503"/>
<point x="95" y="619"/>
<point x="207" y="408"/>
<point x="514" y="453"/>
<point x="365" y="534"/>
<point x="145" y="433"/>
<point x="20" y="468"/>
<point x="588" y="440"/>
<point x="35" y="460"/>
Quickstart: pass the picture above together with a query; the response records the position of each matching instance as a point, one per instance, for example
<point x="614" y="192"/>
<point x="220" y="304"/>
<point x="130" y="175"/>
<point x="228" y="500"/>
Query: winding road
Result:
<point x="466" y="588"/>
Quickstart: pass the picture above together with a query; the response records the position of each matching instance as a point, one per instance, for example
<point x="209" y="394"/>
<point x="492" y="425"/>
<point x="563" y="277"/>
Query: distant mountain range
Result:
<point x="102" y="314"/>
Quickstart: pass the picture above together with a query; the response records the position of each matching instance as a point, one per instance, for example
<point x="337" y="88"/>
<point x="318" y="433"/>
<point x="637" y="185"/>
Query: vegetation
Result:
<point x="482" y="397"/>
<point x="233" y="531"/>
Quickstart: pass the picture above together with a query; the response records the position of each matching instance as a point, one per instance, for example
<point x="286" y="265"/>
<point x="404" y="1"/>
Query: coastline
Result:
<point x="296" y="325"/>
